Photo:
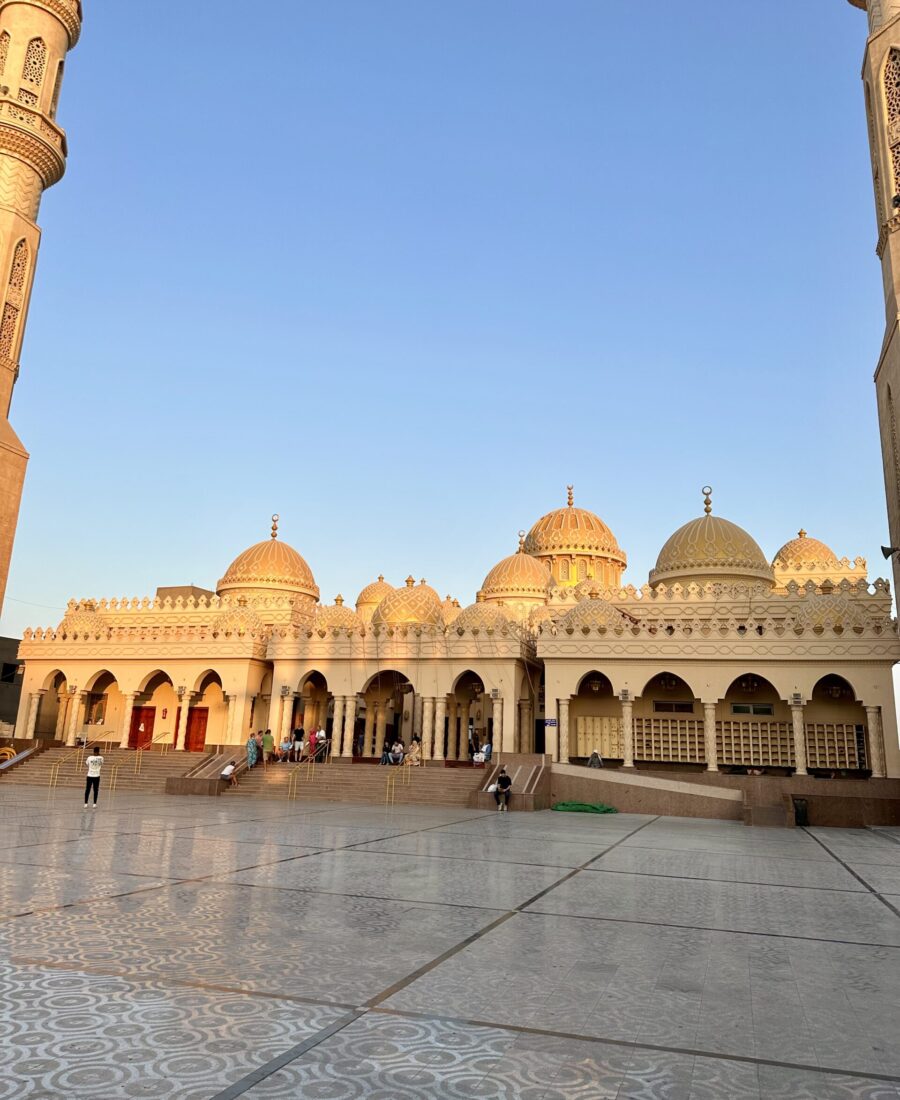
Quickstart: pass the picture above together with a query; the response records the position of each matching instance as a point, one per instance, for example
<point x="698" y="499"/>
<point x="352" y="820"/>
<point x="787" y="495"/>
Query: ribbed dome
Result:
<point x="593" y="614"/>
<point x="337" y="617"/>
<point x="804" y="551"/>
<point x="711" y="550"/>
<point x="572" y="530"/>
<point x="374" y="593"/>
<point x="518" y="577"/>
<point x="269" y="567"/>
<point x="412" y="605"/>
<point x="482" y="618"/>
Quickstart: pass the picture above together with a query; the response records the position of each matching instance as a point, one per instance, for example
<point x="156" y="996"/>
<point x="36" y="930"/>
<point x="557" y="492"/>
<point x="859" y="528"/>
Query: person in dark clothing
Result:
<point x="503" y="791"/>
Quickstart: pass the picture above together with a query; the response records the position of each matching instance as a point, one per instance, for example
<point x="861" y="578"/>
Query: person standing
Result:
<point x="502" y="793"/>
<point x="94" y="764"/>
<point x="252" y="751"/>
<point x="268" y="747"/>
<point x="311" y="743"/>
<point x="298" y="743"/>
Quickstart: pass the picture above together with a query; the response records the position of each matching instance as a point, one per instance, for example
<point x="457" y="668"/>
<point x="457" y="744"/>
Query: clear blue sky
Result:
<point x="401" y="270"/>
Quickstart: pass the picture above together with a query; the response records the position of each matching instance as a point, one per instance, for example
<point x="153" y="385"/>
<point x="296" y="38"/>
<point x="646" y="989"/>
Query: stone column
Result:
<point x="337" y="725"/>
<point x="627" y="733"/>
<point x="126" y="719"/>
<point x="551" y="733"/>
<point x="497" y="719"/>
<point x="62" y="704"/>
<point x="34" y="705"/>
<point x="287" y="714"/>
<point x="419" y="716"/>
<point x="427" y="727"/>
<point x="709" y="735"/>
<point x="440" y="716"/>
<point x="799" y="739"/>
<point x="349" y="726"/>
<point x="564" y="731"/>
<point x="75" y="716"/>
<point x="876" y="742"/>
<point x="380" y="727"/>
<point x="273" y="722"/>
<point x="462" y="743"/>
<point x="369" y="738"/>
<point x="181" y="729"/>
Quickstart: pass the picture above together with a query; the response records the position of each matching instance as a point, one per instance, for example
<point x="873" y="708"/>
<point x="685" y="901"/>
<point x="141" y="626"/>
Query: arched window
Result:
<point x="54" y="102"/>
<point x="582" y="569"/>
<point x="892" y="103"/>
<point x="8" y="327"/>
<point x="19" y="266"/>
<point x="4" y="51"/>
<point x="563" y="570"/>
<point x="35" y="62"/>
<point x="892" y="428"/>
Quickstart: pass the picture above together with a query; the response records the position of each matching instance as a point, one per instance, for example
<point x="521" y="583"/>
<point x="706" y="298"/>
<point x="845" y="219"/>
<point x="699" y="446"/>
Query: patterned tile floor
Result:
<point x="198" y="949"/>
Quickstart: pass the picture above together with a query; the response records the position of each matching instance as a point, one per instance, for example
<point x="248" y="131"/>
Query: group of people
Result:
<point x="297" y="746"/>
<point x="395" y="752"/>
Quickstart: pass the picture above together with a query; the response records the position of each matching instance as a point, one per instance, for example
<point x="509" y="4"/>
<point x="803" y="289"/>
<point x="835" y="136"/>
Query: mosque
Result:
<point x="723" y="660"/>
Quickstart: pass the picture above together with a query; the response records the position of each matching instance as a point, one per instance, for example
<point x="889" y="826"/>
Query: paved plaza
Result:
<point x="233" y="947"/>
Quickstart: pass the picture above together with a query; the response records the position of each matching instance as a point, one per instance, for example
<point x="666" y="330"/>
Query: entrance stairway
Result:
<point x="339" y="782"/>
<point x="155" y="768"/>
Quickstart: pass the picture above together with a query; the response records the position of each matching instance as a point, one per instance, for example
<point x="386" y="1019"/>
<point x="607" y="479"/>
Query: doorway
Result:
<point x="195" y="735"/>
<point x="141" y="733"/>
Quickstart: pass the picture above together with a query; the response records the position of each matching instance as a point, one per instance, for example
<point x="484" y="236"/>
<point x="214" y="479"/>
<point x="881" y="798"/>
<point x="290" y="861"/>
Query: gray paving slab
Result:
<point x="259" y="953"/>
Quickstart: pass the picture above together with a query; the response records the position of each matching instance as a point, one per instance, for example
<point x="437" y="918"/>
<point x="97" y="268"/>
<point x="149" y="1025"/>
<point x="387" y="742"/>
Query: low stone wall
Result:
<point x="638" y="793"/>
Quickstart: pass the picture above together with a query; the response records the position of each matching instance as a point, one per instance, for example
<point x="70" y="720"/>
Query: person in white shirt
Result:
<point x="94" y="764"/>
<point x="228" y="774"/>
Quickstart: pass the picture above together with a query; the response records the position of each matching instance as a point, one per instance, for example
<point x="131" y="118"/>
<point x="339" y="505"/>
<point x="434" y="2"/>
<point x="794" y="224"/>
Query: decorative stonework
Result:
<point x="482" y="618"/>
<point x="413" y="604"/>
<point x="593" y="614"/>
<point x="68" y="12"/>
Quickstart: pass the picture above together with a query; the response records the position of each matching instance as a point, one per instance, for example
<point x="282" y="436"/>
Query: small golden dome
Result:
<point x="834" y="611"/>
<point x="269" y="567"/>
<point x="593" y="614"/>
<point x="450" y="609"/>
<point x="518" y="577"/>
<point x="238" y="620"/>
<point x="374" y="593"/>
<point x="572" y="530"/>
<point x="711" y="550"/>
<point x="805" y="551"/>
<point x="337" y="617"/>
<point x="412" y="605"/>
<point x="482" y="618"/>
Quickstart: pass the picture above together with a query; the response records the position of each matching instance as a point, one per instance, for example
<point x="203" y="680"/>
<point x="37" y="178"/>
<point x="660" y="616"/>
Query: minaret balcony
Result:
<point x="68" y="12"/>
<point x="27" y="133"/>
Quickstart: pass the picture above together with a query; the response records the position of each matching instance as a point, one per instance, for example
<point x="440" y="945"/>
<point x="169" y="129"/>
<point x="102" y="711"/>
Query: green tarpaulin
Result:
<point x="584" y="808"/>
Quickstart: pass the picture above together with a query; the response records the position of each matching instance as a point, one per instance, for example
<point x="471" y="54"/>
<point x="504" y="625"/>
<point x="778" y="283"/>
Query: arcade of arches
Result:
<point x="724" y="659"/>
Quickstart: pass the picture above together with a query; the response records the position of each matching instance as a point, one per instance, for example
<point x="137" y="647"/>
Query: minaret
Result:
<point x="881" y="81"/>
<point x="35" y="36"/>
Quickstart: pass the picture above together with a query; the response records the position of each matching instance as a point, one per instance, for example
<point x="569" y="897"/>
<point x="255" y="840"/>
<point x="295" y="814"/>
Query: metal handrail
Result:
<point x="114" y="779"/>
<point x="79" y="752"/>
<point x="141" y="749"/>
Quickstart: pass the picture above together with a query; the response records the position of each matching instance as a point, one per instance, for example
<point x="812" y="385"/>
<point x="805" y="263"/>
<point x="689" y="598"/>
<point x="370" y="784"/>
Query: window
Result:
<point x="35" y="61"/>
<point x="8" y="673"/>
<point x="760" y="709"/>
<point x="667" y="706"/>
<point x="54" y="102"/>
<point x="19" y="266"/>
<point x="4" y="51"/>
<point x="28" y="98"/>
<point x="8" y="325"/>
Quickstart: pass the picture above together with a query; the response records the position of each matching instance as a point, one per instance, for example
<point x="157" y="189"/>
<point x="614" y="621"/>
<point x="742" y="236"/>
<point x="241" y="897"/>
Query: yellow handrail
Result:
<point x="139" y="752"/>
<point x="390" y="789"/>
<point x="114" y="778"/>
<point x="79" y="752"/>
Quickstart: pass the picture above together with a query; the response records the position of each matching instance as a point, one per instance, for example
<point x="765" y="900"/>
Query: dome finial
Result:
<point x="707" y="499"/>
<point x="801" y="534"/>
<point x="571" y="493"/>
<point x="410" y="581"/>
<point x="339" y="600"/>
<point x="521" y="542"/>
<point x="275" y="520"/>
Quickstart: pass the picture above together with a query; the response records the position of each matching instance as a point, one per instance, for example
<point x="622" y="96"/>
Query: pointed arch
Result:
<point x="35" y="62"/>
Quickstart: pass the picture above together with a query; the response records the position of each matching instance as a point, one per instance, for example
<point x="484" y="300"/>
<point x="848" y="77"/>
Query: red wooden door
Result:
<point x="141" y="716"/>
<point x="195" y="737"/>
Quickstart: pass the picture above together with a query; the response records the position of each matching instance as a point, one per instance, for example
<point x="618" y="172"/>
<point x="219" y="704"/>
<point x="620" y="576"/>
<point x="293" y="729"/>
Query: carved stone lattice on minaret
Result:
<point x="35" y="36"/>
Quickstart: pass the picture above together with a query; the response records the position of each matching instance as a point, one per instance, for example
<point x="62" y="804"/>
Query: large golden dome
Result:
<point x="413" y="605"/>
<point x="518" y="577"/>
<point x="711" y="550"/>
<point x="572" y="530"/>
<point x="269" y="568"/>
<point x="804" y="551"/>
